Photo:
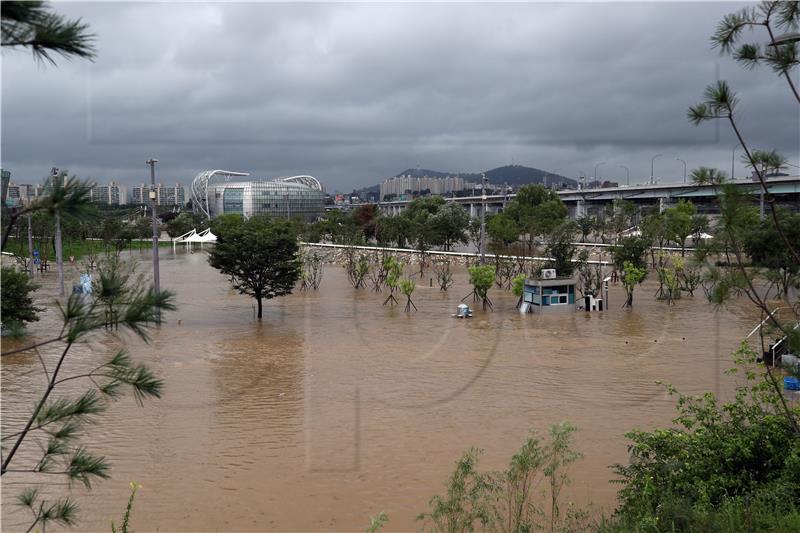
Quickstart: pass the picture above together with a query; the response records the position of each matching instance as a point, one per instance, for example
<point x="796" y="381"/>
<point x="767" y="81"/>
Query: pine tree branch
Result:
<point x="36" y="411"/>
<point x="784" y="70"/>
<point x="32" y="346"/>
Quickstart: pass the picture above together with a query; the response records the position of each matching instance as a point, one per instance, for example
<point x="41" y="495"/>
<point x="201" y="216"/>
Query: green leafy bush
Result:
<point x="16" y="299"/>
<point x="721" y="458"/>
<point x="482" y="278"/>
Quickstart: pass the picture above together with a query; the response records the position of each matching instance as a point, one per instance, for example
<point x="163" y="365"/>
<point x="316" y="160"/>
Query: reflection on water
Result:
<point x="335" y="407"/>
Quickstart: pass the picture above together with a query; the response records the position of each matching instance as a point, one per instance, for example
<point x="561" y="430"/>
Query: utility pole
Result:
<point x="156" y="280"/>
<point x="483" y="218"/>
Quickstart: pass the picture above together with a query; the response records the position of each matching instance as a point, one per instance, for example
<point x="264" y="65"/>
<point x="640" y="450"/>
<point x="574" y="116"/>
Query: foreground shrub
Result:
<point x="725" y="463"/>
<point x="735" y="515"/>
<point x="510" y="501"/>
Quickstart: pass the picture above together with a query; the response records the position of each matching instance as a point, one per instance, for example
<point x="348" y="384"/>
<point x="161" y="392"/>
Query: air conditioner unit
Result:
<point x="548" y="273"/>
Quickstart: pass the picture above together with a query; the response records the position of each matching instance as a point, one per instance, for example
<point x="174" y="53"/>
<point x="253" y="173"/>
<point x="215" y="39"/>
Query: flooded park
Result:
<point x="334" y="407"/>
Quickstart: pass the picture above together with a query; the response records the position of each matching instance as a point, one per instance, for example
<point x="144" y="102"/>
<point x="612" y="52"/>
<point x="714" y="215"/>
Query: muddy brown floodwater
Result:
<point x="334" y="407"/>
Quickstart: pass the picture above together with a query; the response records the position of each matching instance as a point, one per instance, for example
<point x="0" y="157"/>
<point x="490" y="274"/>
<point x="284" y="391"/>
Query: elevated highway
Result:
<point x="786" y="191"/>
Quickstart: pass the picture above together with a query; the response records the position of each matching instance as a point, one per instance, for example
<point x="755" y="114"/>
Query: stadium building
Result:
<point x="217" y="192"/>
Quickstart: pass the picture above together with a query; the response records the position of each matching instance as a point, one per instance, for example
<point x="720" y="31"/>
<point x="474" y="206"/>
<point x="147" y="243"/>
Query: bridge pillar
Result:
<point x="580" y="208"/>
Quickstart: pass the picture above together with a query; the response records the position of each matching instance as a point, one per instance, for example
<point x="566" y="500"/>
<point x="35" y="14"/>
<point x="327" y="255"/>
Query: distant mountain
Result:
<point x="419" y="172"/>
<point x="514" y="175"/>
<point x="519" y="175"/>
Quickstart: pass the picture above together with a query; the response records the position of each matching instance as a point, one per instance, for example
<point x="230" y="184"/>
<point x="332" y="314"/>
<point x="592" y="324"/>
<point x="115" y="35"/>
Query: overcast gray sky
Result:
<point x="354" y="93"/>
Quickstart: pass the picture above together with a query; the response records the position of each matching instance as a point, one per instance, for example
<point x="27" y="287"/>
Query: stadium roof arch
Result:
<point x="200" y="187"/>
<point x="309" y="181"/>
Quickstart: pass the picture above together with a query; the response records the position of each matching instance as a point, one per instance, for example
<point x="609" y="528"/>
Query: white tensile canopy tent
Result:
<point x="632" y="232"/>
<point x="193" y="236"/>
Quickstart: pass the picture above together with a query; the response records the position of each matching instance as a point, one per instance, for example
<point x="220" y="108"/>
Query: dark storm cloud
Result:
<point x="353" y="93"/>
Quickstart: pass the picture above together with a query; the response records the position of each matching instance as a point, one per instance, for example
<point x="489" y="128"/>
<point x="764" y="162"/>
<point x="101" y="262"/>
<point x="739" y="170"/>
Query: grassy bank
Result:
<point x="79" y="248"/>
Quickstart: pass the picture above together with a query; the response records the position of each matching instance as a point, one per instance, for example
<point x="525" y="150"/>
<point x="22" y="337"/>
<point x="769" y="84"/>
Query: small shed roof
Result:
<point x="541" y="282"/>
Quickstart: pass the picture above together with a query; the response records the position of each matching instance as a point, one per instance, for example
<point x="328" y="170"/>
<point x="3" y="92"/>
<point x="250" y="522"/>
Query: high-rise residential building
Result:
<point x="5" y="178"/>
<point x="14" y="194"/>
<point x="110" y="193"/>
<point x="140" y="194"/>
<point x="19" y="194"/>
<point x="407" y="184"/>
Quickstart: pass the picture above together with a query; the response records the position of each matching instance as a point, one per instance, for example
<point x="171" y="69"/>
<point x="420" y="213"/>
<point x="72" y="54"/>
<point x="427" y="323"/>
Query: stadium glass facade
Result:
<point x="280" y="199"/>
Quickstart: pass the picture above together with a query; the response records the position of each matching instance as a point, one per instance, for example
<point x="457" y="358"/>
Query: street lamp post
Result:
<point x="30" y="245"/>
<point x="156" y="280"/>
<point x="595" y="170"/>
<point x="483" y="218"/>
<point x="627" y="174"/>
<point x="684" y="168"/>
<point x="652" y="168"/>
<point x="733" y="161"/>
<point x="57" y="181"/>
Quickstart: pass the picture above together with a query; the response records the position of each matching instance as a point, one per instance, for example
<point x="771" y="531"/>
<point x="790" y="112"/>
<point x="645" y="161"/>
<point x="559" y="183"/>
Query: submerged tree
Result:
<point x="590" y="276"/>
<point x="379" y="270"/>
<point x="669" y="280"/>
<point x="407" y="287"/>
<point x="311" y="275"/>
<point x="631" y="249"/>
<point x="631" y="277"/>
<point x="444" y="277"/>
<point x="586" y="225"/>
<point x="450" y="225"/>
<point x="503" y="231"/>
<point x="560" y="248"/>
<point x="505" y="268"/>
<point x="357" y="268"/>
<point x="763" y="244"/>
<point x="680" y="223"/>
<point x="535" y="211"/>
<point x="259" y="255"/>
<point x="518" y="288"/>
<point x="394" y="271"/>
<point x="481" y="278"/>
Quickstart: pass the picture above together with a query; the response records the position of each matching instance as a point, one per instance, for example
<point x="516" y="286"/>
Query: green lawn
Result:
<point x="78" y="248"/>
